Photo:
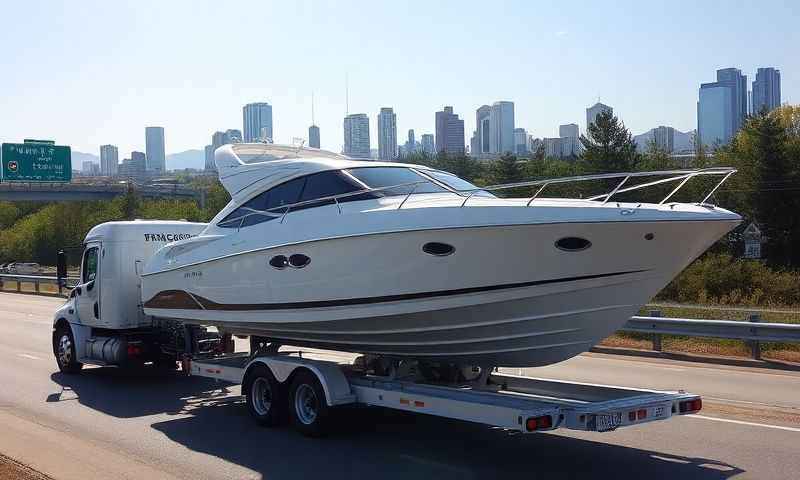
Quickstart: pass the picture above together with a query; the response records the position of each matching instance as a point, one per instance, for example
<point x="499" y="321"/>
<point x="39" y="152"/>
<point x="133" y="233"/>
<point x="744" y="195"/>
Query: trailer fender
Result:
<point x="334" y="383"/>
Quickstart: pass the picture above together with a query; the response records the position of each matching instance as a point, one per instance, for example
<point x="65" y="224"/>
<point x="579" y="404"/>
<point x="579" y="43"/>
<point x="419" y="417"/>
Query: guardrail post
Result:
<point x="36" y="286"/>
<point x="19" y="285"/>
<point x="755" y="345"/>
<point x="656" y="336"/>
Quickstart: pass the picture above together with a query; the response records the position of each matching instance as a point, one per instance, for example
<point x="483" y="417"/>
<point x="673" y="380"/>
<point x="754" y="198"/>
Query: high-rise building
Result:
<point x="569" y="134"/>
<point x="595" y="110"/>
<point x="313" y="136"/>
<point x="664" y="137"/>
<point x="387" y="134"/>
<point x="714" y="114"/>
<point x="766" y="90"/>
<point x="356" y="135"/>
<point x="520" y="141"/>
<point x="257" y="122"/>
<point x="501" y="130"/>
<point x="428" y="145"/>
<point x="733" y="78"/>
<point x="210" y="165"/>
<point x="411" y="143"/>
<point x="134" y="168"/>
<point x="109" y="159"/>
<point x="233" y="135"/>
<point x="154" y="146"/>
<point x="552" y="147"/>
<point x="483" y="130"/>
<point x="449" y="132"/>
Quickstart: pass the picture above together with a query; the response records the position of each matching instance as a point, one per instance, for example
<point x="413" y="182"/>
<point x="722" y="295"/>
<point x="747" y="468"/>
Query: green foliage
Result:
<point x="507" y="169"/>
<point x="9" y="213"/>
<point x="609" y="146"/>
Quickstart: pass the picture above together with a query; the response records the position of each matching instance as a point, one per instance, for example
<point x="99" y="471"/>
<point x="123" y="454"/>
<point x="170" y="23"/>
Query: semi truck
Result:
<point x="103" y="323"/>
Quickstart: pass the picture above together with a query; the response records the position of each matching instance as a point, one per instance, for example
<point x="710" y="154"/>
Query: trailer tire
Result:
<point x="265" y="397"/>
<point x="64" y="350"/>
<point x="308" y="407"/>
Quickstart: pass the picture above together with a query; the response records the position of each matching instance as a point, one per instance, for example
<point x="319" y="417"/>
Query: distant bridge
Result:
<point x="60" y="192"/>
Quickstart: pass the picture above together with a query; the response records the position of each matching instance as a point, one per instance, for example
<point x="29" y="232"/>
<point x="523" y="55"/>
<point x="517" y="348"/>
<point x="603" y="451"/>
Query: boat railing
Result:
<point x="682" y="176"/>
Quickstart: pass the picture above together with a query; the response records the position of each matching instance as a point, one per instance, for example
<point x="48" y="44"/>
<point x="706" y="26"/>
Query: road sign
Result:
<point x="36" y="162"/>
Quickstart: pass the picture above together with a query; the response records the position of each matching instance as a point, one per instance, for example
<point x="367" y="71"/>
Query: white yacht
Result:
<point x="405" y="261"/>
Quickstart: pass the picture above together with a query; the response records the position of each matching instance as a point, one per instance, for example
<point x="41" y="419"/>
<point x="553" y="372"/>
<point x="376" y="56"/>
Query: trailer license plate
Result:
<point x="608" y="422"/>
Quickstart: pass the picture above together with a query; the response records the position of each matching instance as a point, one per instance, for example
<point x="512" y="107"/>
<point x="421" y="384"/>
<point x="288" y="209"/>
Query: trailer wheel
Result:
<point x="64" y="350"/>
<point x="309" y="410"/>
<point x="265" y="396"/>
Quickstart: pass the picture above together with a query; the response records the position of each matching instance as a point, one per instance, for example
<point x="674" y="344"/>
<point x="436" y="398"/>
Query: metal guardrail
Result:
<point x="751" y="331"/>
<point x="36" y="281"/>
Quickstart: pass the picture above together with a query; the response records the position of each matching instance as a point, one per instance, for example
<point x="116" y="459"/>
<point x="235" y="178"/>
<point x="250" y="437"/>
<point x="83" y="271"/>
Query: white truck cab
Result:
<point x="103" y="314"/>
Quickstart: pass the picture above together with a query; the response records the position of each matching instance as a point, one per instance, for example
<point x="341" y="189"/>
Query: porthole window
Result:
<point x="573" y="244"/>
<point x="279" y="261"/>
<point x="298" y="260"/>
<point x="439" y="249"/>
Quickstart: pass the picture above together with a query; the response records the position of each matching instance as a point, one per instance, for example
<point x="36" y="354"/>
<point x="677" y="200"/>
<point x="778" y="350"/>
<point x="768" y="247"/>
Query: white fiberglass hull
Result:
<point x="506" y="296"/>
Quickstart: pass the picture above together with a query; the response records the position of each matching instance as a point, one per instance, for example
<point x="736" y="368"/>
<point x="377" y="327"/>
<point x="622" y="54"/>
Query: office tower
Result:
<point x="134" y="168"/>
<point x="714" y="114"/>
<point x="664" y="137"/>
<point x="733" y="78"/>
<point x="257" y="122"/>
<point x="520" y="141"/>
<point x="766" y="90"/>
<point x="411" y="143"/>
<point x="501" y="120"/>
<point x="449" y="132"/>
<point x="552" y="147"/>
<point x="356" y="135"/>
<point x="595" y="110"/>
<point x="210" y="165"/>
<point x="482" y="130"/>
<point x="387" y="134"/>
<point x="154" y="146"/>
<point x="109" y="159"/>
<point x="233" y="135"/>
<point x="428" y="145"/>
<point x="569" y="134"/>
<point x="313" y="136"/>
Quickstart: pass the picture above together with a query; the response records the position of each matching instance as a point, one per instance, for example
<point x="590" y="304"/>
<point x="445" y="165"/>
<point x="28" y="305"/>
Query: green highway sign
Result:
<point x="36" y="162"/>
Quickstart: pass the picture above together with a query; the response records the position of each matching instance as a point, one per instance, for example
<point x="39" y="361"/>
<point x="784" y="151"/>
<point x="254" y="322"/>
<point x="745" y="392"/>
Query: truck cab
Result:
<point x="102" y="321"/>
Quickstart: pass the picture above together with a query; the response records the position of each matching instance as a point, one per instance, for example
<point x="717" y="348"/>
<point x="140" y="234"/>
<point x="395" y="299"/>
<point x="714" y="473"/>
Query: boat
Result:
<point x="408" y="262"/>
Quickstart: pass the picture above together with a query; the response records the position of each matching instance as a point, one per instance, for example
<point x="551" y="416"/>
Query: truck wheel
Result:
<point x="309" y="410"/>
<point x="64" y="350"/>
<point x="264" y="396"/>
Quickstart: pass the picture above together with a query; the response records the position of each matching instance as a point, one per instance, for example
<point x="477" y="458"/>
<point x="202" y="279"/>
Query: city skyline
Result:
<point x="191" y="100"/>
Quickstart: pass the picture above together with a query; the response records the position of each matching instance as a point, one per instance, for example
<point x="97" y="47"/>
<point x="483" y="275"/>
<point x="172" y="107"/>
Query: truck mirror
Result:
<point x="61" y="266"/>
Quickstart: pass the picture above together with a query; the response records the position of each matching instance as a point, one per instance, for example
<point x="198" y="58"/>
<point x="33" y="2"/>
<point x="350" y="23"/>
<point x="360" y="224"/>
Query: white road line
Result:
<point x="25" y="355"/>
<point x="745" y="402"/>
<point x="740" y="422"/>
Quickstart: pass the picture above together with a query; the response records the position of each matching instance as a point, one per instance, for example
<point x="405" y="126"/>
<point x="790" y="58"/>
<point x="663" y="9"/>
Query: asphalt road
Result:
<point x="106" y="424"/>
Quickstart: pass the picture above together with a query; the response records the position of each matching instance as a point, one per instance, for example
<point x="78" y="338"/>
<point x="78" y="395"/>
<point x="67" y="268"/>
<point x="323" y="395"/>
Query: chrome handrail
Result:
<point x="674" y="175"/>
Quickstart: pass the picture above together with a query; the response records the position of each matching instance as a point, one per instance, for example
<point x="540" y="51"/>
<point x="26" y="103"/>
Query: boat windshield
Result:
<point x="379" y="177"/>
<point x="456" y="183"/>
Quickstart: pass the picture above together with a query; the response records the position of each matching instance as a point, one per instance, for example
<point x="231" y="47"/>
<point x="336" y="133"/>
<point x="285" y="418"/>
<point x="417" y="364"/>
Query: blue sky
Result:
<point x="89" y="73"/>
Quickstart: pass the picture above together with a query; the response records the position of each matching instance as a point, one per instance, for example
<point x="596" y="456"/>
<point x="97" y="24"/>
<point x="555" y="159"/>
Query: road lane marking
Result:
<point x="25" y="355"/>
<point x="741" y="422"/>
<point x="746" y="402"/>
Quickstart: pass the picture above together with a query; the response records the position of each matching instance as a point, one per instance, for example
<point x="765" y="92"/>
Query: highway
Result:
<point x="106" y="423"/>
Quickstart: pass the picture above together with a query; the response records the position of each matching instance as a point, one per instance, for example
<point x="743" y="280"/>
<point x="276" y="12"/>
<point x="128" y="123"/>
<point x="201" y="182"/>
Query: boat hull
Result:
<point x="506" y="296"/>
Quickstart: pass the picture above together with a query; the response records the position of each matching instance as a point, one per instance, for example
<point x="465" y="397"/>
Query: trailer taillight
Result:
<point x="539" y="423"/>
<point x="690" y="406"/>
<point x="134" y="350"/>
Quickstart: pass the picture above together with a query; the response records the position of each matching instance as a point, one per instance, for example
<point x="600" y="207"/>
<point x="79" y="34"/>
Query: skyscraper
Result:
<point x="154" y="147"/>
<point x="428" y="145"/>
<point x="664" y="137"/>
<point x="520" y="141"/>
<point x="387" y="134"/>
<point x="569" y="134"/>
<point x="483" y="130"/>
<point x="501" y="121"/>
<point x="766" y="90"/>
<point x="257" y="116"/>
<point x="449" y="132"/>
<point x="552" y="147"/>
<point x="233" y="135"/>
<point x="714" y="114"/>
<point x="109" y="159"/>
<point x="733" y="79"/>
<point x="210" y="165"/>
<point x="356" y="135"/>
<point x="313" y="136"/>
<point x="593" y="111"/>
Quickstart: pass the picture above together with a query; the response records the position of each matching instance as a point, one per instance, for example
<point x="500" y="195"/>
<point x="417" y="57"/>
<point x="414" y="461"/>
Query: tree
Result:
<point x="609" y="146"/>
<point x="507" y="169"/>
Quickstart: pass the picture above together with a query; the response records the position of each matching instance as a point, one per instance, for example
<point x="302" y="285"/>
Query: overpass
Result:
<point x="61" y="192"/>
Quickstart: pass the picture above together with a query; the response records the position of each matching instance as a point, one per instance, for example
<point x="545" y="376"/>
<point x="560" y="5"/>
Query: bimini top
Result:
<point x="245" y="167"/>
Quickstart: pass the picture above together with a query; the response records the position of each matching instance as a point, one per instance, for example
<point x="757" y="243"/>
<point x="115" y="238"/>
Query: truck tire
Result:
<point x="308" y="408"/>
<point x="265" y="397"/>
<point x="64" y="350"/>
